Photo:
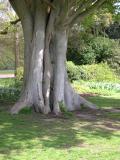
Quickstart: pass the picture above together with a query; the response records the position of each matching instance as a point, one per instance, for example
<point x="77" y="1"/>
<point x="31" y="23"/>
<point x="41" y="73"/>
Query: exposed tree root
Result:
<point x="56" y="109"/>
<point x="74" y="101"/>
<point x="87" y="104"/>
<point x="25" y="104"/>
<point x="19" y="106"/>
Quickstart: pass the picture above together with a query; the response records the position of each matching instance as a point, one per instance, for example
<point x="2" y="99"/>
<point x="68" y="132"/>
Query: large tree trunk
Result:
<point x="60" y="89"/>
<point x="60" y="48"/>
<point x="32" y="94"/>
<point x="63" y="93"/>
<point x="46" y="86"/>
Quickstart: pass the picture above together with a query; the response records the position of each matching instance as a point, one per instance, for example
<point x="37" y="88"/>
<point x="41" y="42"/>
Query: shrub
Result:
<point x="103" y="48"/>
<point x="19" y="77"/>
<point x="19" y="74"/>
<point x="114" y="61"/>
<point x="73" y="72"/>
<point x="97" y="72"/>
<point x="94" y="72"/>
<point x="7" y="60"/>
<point x="79" y="51"/>
<point x="93" y="50"/>
<point x="9" y="94"/>
<point x="104" y="85"/>
<point x="8" y="90"/>
<point x="87" y="55"/>
<point x="101" y="88"/>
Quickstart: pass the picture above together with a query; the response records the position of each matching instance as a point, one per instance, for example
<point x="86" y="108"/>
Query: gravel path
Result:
<point x="7" y="75"/>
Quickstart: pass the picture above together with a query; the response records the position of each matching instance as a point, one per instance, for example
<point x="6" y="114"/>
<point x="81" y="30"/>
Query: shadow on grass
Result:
<point x="37" y="131"/>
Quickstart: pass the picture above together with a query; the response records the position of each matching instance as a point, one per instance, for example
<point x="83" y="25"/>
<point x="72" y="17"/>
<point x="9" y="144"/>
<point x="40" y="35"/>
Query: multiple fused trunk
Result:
<point x="46" y="87"/>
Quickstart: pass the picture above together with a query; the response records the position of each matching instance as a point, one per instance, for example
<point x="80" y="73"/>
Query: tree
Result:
<point x="45" y="26"/>
<point x="9" y="23"/>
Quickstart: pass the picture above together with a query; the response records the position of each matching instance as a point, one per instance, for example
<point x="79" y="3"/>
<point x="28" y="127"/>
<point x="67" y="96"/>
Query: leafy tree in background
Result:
<point x="10" y="31"/>
<point x="89" y="42"/>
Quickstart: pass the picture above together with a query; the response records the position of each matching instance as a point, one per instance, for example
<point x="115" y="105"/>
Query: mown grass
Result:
<point x="106" y="102"/>
<point x="36" y="137"/>
<point x="86" y="135"/>
<point x="7" y="71"/>
<point x="7" y="82"/>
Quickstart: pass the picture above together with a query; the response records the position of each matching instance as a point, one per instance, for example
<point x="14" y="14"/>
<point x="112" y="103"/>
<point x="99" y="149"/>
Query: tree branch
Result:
<point x="51" y="5"/>
<point x="13" y="4"/>
<point x="20" y="8"/>
<point x="82" y="6"/>
<point x="81" y="15"/>
<point x="5" y="30"/>
<point x="24" y="13"/>
<point x="15" y="21"/>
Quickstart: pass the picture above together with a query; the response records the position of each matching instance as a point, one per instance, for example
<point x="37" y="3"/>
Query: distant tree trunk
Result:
<point x="16" y="49"/>
<point x="46" y="86"/>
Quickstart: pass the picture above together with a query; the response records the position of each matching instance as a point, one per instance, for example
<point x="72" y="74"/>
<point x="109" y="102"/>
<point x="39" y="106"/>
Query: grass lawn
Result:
<point x="106" y="102"/>
<point x="7" y="82"/>
<point x="90" y="135"/>
<point x="7" y="71"/>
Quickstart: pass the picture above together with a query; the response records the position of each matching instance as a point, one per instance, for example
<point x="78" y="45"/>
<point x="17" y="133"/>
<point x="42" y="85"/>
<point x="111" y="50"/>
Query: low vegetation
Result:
<point x="99" y="88"/>
<point x="95" y="72"/>
<point x="7" y="71"/>
<point x="10" y="88"/>
<point x="87" y="135"/>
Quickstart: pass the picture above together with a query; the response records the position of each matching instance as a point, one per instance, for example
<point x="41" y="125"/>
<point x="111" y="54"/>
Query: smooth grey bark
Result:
<point x="63" y="93"/>
<point x="32" y="94"/>
<point x="28" y="36"/>
<point x="45" y="80"/>
<point x="60" y="48"/>
<point x="47" y="62"/>
<point x="36" y="67"/>
<point x="60" y="90"/>
<point x="73" y="100"/>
